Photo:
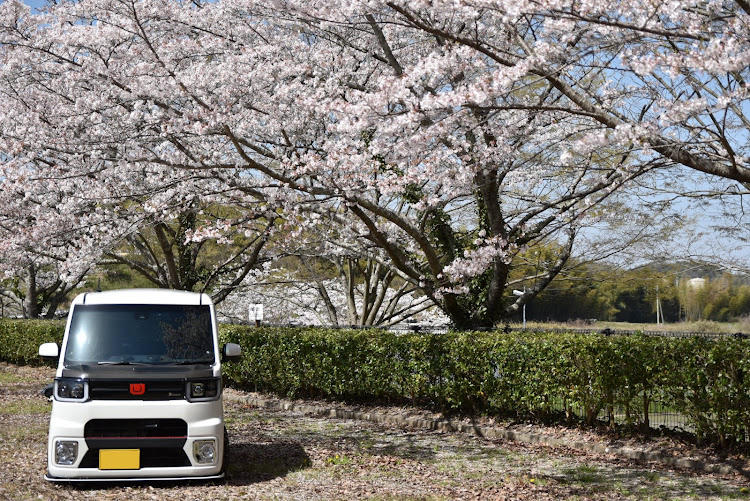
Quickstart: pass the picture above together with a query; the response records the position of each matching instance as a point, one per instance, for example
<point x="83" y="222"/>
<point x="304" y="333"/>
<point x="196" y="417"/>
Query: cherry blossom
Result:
<point x="450" y="136"/>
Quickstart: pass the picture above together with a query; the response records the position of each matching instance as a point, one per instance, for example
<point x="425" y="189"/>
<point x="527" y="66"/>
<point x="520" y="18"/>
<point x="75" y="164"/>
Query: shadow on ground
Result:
<point x="249" y="463"/>
<point x="649" y="483"/>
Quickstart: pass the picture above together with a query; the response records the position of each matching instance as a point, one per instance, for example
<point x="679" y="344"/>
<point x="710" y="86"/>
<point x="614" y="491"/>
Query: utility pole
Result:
<point x="659" y="313"/>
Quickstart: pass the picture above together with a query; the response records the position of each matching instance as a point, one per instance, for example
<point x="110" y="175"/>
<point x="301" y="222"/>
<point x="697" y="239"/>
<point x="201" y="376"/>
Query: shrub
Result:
<point x="708" y="382"/>
<point x="526" y="376"/>
<point x="20" y="339"/>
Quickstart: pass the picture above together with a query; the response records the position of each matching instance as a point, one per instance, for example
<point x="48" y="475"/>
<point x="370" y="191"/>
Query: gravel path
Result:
<point x="290" y="455"/>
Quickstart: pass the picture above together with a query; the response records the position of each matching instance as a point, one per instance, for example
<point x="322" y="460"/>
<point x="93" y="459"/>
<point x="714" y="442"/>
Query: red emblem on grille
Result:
<point x="137" y="388"/>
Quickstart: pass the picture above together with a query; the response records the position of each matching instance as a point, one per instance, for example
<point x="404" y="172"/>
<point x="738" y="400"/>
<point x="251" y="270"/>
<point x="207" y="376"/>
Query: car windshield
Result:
<point x="140" y="334"/>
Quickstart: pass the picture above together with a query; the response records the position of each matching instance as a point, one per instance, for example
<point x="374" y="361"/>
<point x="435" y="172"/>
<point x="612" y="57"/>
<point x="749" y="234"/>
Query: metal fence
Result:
<point x="444" y="329"/>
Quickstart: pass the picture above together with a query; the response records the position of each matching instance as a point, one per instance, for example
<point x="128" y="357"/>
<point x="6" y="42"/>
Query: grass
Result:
<point x="584" y="474"/>
<point x="248" y="417"/>
<point x="10" y="378"/>
<point x="366" y="440"/>
<point x="645" y="484"/>
<point x="33" y="428"/>
<point x="339" y="459"/>
<point x="26" y="407"/>
<point x="488" y="453"/>
<point x="269" y="468"/>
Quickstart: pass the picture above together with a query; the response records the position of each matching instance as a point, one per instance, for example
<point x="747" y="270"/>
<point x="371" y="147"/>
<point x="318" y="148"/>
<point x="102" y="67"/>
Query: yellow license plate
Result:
<point x="119" y="459"/>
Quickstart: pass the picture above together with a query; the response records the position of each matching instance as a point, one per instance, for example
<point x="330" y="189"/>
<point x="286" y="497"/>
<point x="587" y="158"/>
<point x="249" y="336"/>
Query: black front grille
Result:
<point x="151" y="390"/>
<point x="135" y="428"/>
<point x="160" y="441"/>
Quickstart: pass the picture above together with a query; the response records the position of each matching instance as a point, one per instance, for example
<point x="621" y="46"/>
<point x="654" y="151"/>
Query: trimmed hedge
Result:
<point x="522" y="375"/>
<point x="525" y="376"/>
<point x="20" y="339"/>
<point x="529" y="375"/>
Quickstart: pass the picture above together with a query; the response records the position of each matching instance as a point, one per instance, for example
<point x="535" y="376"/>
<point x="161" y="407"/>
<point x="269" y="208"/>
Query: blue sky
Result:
<point x="34" y="3"/>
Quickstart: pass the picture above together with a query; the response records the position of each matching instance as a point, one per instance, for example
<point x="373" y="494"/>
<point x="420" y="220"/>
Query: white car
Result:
<point x="138" y="389"/>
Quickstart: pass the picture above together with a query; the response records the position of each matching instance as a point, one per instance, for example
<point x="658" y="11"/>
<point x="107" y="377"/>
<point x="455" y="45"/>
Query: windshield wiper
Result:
<point x="193" y="362"/>
<point x="121" y="362"/>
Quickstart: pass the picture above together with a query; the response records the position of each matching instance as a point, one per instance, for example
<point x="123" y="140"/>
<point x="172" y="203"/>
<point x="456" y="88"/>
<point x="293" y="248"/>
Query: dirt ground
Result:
<point x="288" y="455"/>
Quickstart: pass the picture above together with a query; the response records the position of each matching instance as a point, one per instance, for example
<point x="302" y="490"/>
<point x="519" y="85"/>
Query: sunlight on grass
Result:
<point x="11" y="378"/>
<point x="38" y="406"/>
<point x="584" y="474"/>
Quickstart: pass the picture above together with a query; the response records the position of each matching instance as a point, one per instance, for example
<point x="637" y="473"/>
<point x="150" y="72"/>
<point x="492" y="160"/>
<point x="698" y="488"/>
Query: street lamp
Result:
<point x="516" y="292"/>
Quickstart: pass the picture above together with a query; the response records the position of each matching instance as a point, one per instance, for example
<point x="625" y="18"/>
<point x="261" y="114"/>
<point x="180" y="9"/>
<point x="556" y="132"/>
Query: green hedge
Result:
<point x="527" y="376"/>
<point x="20" y="339"/>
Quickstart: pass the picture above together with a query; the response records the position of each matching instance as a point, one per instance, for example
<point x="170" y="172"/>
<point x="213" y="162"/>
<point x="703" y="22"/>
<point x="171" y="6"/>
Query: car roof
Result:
<point x="143" y="296"/>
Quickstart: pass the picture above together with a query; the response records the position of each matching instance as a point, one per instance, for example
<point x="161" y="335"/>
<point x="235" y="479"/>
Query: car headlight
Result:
<point x="71" y="390"/>
<point x="205" y="389"/>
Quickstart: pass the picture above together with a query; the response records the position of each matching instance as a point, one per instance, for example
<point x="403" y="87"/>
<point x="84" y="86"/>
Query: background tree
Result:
<point x="39" y="290"/>
<point x="719" y="296"/>
<point x="179" y="254"/>
<point x="352" y="285"/>
<point x="38" y="241"/>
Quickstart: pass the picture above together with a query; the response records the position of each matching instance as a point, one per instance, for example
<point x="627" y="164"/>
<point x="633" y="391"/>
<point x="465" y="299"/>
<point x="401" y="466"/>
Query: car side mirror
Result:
<point x="49" y="351"/>
<point x="231" y="352"/>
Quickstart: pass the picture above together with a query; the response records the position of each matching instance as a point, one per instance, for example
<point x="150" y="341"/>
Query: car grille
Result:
<point x="160" y="441"/>
<point x="135" y="428"/>
<point x="120" y="390"/>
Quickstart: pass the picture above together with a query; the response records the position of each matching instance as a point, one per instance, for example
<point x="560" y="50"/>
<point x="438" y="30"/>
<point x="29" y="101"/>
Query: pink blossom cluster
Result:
<point x="405" y="125"/>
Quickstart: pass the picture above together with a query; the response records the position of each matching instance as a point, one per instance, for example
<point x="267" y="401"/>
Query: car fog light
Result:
<point x="66" y="452"/>
<point x="204" y="451"/>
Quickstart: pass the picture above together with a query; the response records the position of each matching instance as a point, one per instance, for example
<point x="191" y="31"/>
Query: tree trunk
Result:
<point x="31" y="301"/>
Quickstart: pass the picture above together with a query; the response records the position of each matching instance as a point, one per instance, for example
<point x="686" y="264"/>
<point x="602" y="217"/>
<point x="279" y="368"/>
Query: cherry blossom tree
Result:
<point x="39" y="289"/>
<point x="449" y="135"/>
<point x="312" y="298"/>
<point x="33" y="272"/>
<point x="672" y="74"/>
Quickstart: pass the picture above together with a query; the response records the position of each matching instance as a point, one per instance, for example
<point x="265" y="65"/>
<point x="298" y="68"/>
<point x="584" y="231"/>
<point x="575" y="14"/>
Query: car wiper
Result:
<point x="120" y="362"/>
<point x="193" y="362"/>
